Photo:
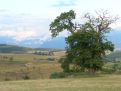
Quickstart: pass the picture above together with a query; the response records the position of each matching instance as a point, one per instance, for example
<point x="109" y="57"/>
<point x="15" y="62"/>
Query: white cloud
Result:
<point x="19" y="36"/>
<point x="116" y="25"/>
<point x="21" y="28"/>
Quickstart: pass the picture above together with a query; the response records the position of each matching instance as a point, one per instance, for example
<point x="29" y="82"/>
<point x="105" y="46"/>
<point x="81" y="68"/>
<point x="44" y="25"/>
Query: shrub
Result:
<point x="51" y="59"/>
<point x="64" y="64"/>
<point x="107" y="70"/>
<point x="58" y="75"/>
<point x="26" y="77"/>
<point x="7" y="79"/>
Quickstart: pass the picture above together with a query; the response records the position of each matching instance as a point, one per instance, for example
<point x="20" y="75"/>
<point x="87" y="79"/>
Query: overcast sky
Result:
<point x="28" y="20"/>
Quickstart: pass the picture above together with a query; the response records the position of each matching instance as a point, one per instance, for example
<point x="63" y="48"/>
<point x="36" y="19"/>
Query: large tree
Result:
<point x="86" y="44"/>
<point x="84" y="49"/>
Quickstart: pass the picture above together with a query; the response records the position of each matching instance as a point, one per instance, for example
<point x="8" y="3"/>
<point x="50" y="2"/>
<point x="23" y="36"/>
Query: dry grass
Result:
<point x="104" y="83"/>
<point x="34" y="71"/>
<point x="35" y="66"/>
<point x="25" y="57"/>
<point x="38" y="67"/>
<point x="59" y="54"/>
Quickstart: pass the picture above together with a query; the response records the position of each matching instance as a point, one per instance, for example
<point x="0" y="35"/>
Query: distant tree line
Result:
<point x="44" y="53"/>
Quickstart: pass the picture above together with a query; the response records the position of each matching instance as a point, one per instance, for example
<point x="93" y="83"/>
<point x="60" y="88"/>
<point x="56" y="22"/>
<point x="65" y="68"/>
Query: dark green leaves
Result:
<point x="63" y="22"/>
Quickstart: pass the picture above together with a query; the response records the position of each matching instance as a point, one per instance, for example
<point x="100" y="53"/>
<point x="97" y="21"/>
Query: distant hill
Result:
<point x="58" y="42"/>
<point x="114" y="56"/>
<point x="4" y="48"/>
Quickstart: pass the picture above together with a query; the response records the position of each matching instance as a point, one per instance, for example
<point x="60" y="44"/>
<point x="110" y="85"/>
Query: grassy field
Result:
<point x="102" y="83"/>
<point x="38" y="69"/>
<point x="31" y="65"/>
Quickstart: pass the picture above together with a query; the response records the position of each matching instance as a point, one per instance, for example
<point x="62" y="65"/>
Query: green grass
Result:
<point x="103" y="83"/>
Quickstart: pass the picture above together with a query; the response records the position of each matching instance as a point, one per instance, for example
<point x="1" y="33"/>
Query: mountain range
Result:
<point x="59" y="42"/>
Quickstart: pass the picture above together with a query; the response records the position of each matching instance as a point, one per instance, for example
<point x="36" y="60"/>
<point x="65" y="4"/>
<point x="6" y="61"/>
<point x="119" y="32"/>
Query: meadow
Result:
<point x="102" y="83"/>
<point x="30" y="72"/>
<point x="28" y="65"/>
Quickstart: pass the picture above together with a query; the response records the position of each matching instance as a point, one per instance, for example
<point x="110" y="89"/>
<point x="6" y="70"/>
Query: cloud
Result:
<point x="65" y="3"/>
<point x="19" y="36"/>
<point x="22" y="27"/>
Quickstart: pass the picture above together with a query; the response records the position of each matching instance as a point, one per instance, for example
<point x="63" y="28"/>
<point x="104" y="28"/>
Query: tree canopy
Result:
<point x="63" y="22"/>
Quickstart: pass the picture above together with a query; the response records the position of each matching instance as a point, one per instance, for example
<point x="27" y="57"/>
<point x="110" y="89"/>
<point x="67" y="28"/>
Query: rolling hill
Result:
<point x="4" y="48"/>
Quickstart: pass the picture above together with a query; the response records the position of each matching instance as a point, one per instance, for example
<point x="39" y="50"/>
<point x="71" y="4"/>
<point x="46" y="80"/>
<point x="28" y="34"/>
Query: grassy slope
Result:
<point x="104" y="83"/>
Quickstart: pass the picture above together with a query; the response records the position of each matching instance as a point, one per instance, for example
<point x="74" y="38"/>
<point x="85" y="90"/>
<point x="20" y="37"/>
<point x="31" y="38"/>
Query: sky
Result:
<point x="26" y="22"/>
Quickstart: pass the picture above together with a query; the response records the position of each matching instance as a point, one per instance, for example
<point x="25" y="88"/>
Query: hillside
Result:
<point x="114" y="56"/>
<point x="4" y="48"/>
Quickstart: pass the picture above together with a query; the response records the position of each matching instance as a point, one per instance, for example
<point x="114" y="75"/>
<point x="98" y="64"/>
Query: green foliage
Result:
<point x="71" y="75"/>
<point x="11" y="58"/>
<point x="107" y="71"/>
<point x="111" y="67"/>
<point x="64" y="64"/>
<point x="26" y="77"/>
<point x="84" y="49"/>
<point x="58" y="75"/>
<point x="117" y="68"/>
<point x="7" y="79"/>
<point x="51" y="59"/>
<point x="63" y="22"/>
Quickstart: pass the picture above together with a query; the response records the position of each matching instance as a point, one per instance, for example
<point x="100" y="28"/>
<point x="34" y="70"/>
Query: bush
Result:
<point x="64" y="64"/>
<point x="7" y="79"/>
<point x="72" y="75"/>
<point x="107" y="70"/>
<point x="51" y="59"/>
<point x="58" y="75"/>
<point x="112" y="68"/>
<point x="26" y="77"/>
